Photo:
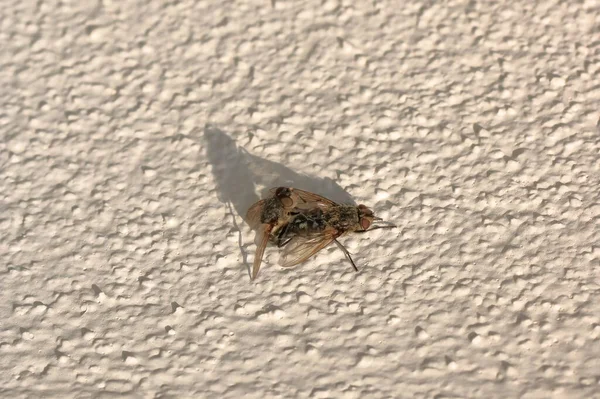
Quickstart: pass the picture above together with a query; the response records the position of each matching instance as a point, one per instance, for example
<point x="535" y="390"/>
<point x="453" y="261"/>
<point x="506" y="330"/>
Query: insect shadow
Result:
<point x="239" y="173"/>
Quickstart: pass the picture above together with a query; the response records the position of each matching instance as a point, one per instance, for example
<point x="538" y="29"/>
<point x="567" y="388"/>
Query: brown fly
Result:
<point x="268" y="215"/>
<point x="311" y="229"/>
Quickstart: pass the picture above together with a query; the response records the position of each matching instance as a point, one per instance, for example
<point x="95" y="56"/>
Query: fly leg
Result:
<point x="283" y="244"/>
<point x="282" y="236"/>
<point x="345" y="251"/>
<point x="387" y="226"/>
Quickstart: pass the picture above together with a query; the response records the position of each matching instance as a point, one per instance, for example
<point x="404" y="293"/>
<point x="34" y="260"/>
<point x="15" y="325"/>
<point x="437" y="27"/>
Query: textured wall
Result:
<point x="135" y="134"/>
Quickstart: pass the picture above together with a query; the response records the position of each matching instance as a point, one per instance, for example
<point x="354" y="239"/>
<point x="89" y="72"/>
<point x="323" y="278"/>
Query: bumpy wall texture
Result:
<point x="135" y="134"/>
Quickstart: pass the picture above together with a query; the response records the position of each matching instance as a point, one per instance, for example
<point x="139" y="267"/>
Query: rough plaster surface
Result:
<point x="135" y="134"/>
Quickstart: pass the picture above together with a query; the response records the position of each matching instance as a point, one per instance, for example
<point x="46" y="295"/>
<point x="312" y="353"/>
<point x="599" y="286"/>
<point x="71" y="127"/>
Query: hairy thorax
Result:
<point x="272" y="211"/>
<point x="343" y="217"/>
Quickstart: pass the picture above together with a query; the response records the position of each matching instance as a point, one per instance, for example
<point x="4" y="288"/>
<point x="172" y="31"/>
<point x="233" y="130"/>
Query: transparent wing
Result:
<point x="253" y="214"/>
<point x="306" y="200"/>
<point x="300" y="248"/>
<point x="260" y="249"/>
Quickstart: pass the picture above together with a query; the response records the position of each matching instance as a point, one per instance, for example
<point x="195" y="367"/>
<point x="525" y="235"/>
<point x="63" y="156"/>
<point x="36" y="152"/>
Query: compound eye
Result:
<point x="365" y="223"/>
<point x="287" y="202"/>
<point x="282" y="192"/>
<point x="364" y="211"/>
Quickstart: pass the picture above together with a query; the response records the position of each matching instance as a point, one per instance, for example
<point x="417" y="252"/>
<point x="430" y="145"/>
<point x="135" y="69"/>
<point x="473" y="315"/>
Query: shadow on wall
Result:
<point x="238" y="173"/>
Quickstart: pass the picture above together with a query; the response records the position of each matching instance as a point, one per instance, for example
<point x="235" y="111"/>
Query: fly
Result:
<point x="309" y="230"/>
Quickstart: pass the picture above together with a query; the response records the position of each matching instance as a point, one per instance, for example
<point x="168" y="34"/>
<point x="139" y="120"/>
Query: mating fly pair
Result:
<point x="303" y="223"/>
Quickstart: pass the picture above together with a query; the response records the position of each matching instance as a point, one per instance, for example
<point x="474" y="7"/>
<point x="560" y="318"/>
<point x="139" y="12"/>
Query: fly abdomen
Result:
<point x="301" y="224"/>
<point x="306" y="224"/>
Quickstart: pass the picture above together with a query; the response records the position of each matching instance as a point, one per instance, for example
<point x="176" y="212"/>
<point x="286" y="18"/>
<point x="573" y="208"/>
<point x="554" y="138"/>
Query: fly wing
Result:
<point x="300" y="248"/>
<point x="308" y="200"/>
<point x="260" y="249"/>
<point x="253" y="214"/>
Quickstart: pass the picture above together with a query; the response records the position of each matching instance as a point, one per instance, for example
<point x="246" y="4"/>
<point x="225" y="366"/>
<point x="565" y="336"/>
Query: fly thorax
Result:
<point x="343" y="217"/>
<point x="271" y="212"/>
